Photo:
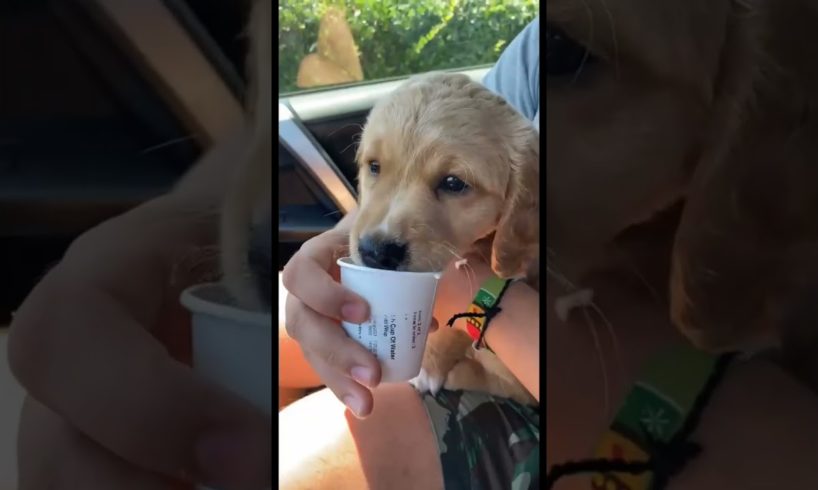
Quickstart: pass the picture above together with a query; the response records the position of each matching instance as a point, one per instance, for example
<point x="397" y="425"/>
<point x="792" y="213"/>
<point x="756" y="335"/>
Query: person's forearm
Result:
<point x="759" y="431"/>
<point x="514" y="335"/>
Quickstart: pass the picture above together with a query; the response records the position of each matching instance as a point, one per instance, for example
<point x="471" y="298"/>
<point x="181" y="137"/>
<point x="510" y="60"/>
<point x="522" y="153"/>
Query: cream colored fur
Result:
<point x="713" y="101"/>
<point x="443" y="124"/>
<point x="250" y="192"/>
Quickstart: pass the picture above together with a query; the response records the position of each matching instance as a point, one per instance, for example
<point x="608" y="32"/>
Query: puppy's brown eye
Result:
<point x="452" y="184"/>
<point x="374" y="167"/>
<point x="563" y="55"/>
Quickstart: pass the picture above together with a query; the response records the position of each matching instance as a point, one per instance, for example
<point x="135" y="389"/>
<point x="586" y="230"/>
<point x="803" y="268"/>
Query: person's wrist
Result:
<point x="517" y="291"/>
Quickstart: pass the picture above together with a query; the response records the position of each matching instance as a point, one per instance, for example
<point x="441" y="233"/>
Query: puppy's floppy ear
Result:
<point x="250" y="191"/>
<point x="750" y="211"/>
<point x="517" y="238"/>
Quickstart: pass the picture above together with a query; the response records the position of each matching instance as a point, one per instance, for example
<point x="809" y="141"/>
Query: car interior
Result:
<point x="97" y="116"/>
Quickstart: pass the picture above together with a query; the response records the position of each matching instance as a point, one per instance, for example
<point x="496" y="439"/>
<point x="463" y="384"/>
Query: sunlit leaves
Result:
<point x="399" y="38"/>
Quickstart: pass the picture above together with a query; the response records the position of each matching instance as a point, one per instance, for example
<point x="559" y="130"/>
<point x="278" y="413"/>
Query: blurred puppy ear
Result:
<point x="517" y="238"/>
<point x="749" y="218"/>
<point x="249" y="192"/>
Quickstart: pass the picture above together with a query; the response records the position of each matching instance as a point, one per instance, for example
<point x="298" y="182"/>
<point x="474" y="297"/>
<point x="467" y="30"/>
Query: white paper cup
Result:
<point x="231" y="346"/>
<point x="401" y="312"/>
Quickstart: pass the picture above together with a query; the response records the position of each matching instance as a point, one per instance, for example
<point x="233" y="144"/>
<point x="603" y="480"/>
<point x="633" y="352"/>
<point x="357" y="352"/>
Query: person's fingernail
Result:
<point x="354" y="403"/>
<point x="353" y="311"/>
<point x="363" y="375"/>
<point x="227" y="457"/>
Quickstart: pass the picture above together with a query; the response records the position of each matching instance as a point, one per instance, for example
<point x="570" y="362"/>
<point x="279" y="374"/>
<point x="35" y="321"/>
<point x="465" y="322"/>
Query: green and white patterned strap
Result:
<point x="654" y="411"/>
<point x="483" y="308"/>
<point x="485" y="301"/>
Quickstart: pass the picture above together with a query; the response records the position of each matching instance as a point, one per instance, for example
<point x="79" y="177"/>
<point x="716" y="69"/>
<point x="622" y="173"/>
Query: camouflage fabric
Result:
<point x="485" y="442"/>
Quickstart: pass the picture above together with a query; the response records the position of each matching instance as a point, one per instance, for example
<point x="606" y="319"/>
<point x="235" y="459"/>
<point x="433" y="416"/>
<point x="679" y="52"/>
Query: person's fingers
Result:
<point x="323" y="338"/>
<point x="52" y="455"/>
<point x="101" y="371"/>
<point x="351" y="393"/>
<point x="307" y="280"/>
<point x="307" y="277"/>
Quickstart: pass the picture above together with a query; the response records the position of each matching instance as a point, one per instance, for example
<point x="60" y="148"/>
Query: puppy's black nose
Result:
<point x="382" y="253"/>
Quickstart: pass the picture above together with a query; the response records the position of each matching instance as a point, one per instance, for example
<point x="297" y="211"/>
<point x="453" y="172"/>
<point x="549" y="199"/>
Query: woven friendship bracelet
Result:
<point x="483" y="308"/>
<point x="648" y="441"/>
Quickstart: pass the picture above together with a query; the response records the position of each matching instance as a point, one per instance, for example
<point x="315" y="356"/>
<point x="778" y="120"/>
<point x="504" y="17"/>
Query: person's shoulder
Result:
<point x="516" y="75"/>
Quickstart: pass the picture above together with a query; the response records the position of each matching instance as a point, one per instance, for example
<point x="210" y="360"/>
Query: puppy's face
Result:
<point x="246" y="216"/>
<point x="632" y="88"/>
<point x="442" y="164"/>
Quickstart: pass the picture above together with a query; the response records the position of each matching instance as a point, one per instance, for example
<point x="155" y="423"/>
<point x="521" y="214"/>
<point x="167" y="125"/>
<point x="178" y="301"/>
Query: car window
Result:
<point x="332" y="43"/>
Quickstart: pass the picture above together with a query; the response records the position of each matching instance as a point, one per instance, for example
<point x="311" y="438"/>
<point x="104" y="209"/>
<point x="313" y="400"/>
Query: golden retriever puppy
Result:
<point x="246" y="216"/>
<point x="444" y="164"/>
<point x="745" y="265"/>
<point x="712" y="101"/>
<point x="636" y="92"/>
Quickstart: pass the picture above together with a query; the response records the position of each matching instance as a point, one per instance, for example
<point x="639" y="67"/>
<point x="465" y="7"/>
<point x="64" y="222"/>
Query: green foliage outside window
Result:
<point x="402" y="38"/>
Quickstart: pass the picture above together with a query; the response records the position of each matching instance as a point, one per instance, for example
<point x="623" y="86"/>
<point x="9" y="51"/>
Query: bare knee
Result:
<point x="323" y="446"/>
